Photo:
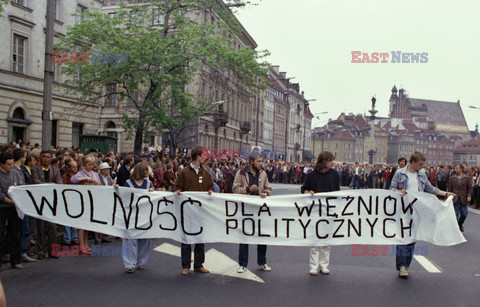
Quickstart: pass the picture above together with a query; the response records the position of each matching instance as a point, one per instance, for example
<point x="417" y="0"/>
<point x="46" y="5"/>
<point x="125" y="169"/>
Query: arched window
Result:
<point x="19" y="113"/>
<point x="110" y="125"/>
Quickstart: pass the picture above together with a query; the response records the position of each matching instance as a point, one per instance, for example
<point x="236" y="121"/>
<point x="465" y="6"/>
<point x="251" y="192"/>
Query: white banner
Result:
<point x="335" y="218"/>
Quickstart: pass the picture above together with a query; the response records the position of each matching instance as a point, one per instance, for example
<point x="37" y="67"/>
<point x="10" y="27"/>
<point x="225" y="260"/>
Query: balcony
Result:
<point x="297" y="146"/>
<point x="298" y="127"/>
<point x="245" y="127"/>
<point x="220" y="119"/>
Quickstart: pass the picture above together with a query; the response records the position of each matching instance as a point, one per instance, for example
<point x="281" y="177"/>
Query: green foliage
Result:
<point x="160" y="61"/>
<point x="2" y="6"/>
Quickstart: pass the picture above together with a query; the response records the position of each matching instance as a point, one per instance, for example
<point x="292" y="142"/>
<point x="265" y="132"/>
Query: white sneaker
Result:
<point x="26" y="258"/>
<point x="403" y="272"/>
<point x="325" y="271"/>
<point x="241" y="269"/>
<point x="265" y="267"/>
<point x="314" y="272"/>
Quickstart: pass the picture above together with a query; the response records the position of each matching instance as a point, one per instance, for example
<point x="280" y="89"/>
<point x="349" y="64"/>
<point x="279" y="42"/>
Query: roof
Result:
<point x="410" y="127"/>
<point x="442" y="112"/>
<point x="336" y="134"/>
<point x="471" y="146"/>
<point x="360" y="122"/>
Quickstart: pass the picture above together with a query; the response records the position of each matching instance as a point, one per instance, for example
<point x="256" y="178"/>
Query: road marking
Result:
<point x="427" y="265"/>
<point x="476" y="211"/>
<point x="215" y="261"/>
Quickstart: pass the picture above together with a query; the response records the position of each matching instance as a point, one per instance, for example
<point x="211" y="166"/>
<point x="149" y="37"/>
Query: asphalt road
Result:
<point x="354" y="280"/>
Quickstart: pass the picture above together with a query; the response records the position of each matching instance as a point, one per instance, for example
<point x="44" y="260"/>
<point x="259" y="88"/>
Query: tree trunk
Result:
<point x="137" y="147"/>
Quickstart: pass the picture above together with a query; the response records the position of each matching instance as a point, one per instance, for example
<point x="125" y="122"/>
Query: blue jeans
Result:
<point x="404" y="255"/>
<point x="69" y="234"/>
<point x="461" y="212"/>
<point x="356" y="182"/>
<point x="243" y="255"/>
<point x="385" y="184"/>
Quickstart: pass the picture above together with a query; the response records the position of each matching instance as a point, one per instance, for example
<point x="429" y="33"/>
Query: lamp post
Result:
<point x="47" y="115"/>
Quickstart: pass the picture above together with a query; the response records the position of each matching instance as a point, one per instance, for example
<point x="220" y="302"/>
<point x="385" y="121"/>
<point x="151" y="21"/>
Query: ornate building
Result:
<point x="444" y="117"/>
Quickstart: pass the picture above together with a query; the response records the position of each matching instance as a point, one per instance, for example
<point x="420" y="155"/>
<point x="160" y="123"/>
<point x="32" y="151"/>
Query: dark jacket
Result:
<point x="460" y="186"/>
<point x="188" y="180"/>
<point x="27" y="175"/>
<point x="123" y="175"/>
<point x="38" y="176"/>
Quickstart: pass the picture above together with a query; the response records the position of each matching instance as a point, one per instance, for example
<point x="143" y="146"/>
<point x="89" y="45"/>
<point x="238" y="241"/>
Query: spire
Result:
<point x="394" y="93"/>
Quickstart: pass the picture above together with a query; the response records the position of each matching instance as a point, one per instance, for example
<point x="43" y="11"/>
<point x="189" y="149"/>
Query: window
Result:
<point x="135" y="19"/>
<point x="19" y="54"/>
<point x="158" y="18"/>
<point x="81" y="12"/>
<point x="111" y="98"/>
<point x="58" y="10"/>
<point x="56" y="71"/>
<point x="77" y="129"/>
<point x="131" y="101"/>
<point x="21" y="2"/>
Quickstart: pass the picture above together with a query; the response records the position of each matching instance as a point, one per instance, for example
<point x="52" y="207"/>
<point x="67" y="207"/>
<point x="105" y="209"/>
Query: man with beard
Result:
<point x="252" y="180"/>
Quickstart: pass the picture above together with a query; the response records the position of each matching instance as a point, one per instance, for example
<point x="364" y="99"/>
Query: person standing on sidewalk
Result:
<point x="461" y="185"/>
<point x="412" y="179"/>
<point x="8" y="214"/>
<point x="194" y="177"/>
<point x="324" y="178"/>
<point x="19" y="156"/>
<point x="252" y="180"/>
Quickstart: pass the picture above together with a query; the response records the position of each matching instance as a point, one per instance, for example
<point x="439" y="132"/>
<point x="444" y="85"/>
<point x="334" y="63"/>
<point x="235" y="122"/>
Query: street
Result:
<point x="439" y="276"/>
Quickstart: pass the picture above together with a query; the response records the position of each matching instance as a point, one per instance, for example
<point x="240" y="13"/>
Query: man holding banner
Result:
<point x="192" y="178"/>
<point x="252" y="180"/>
<point x="412" y="179"/>
<point x="322" y="179"/>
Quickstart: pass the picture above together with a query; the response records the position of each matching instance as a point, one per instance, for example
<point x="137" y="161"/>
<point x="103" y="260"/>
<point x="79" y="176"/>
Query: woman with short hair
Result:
<point x="135" y="252"/>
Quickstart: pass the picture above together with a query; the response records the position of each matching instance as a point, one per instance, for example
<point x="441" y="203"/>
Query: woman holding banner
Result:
<point x="324" y="178"/>
<point x="135" y="252"/>
<point x="87" y="176"/>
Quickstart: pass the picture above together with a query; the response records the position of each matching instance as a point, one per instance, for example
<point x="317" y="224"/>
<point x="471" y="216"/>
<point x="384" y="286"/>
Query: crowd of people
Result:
<point x="163" y="171"/>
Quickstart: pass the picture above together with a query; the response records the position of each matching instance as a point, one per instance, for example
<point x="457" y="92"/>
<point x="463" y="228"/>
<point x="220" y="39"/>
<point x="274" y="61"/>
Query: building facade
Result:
<point x="22" y="71"/>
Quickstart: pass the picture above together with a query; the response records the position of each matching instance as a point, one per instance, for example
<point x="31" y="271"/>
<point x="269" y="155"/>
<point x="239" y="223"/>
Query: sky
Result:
<point x="313" y="40"/>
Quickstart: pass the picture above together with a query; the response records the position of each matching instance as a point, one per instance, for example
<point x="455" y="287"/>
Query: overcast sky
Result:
<point x="312" y="40"/>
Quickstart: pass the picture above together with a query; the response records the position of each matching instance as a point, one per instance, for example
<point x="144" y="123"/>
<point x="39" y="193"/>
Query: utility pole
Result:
<point x="47" y="115"/>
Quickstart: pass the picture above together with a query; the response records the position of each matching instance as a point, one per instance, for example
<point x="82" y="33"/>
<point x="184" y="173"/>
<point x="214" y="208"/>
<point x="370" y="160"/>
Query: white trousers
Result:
<point x="319" y="257"/>
<point x="135" y="252"/>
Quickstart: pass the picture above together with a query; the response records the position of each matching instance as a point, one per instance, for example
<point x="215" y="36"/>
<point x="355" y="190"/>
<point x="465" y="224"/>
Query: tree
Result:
<point x="2" y="8"/>
<point x="153" y="66"/>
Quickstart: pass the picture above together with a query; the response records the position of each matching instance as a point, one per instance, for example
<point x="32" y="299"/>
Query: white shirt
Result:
<point x="196" y="169"/>
<point x="105" y="179"/>
<point x="412" y="184"/>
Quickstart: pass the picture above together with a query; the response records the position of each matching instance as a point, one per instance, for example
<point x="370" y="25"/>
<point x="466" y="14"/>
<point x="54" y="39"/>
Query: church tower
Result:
<point x="393" y="103"/>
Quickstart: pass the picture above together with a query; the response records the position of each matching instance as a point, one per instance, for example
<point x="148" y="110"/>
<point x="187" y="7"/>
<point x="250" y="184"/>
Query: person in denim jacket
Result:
<point x="412" y="178"/>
